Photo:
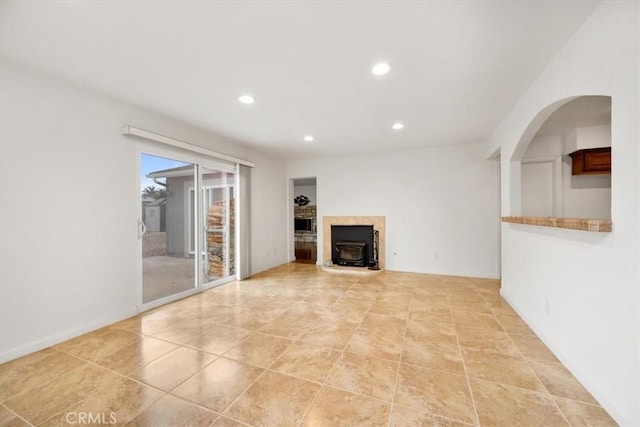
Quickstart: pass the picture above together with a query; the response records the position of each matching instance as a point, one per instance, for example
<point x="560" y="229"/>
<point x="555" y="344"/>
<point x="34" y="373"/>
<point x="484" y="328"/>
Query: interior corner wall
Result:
<point x="440" y="205"/>
<point x="580" y="291"/>
<point x="69" y="204"/>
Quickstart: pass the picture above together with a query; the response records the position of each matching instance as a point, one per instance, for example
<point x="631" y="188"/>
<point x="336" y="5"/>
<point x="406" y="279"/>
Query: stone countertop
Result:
<point x="305" y="237"/>
<point x="584" y="224"/>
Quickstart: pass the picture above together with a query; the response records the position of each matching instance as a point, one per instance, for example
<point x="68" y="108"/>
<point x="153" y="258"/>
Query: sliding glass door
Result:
<point x="176" y="223"/>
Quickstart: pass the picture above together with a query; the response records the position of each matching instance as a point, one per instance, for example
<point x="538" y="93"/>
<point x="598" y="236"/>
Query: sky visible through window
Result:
<point x="151" y="164"/>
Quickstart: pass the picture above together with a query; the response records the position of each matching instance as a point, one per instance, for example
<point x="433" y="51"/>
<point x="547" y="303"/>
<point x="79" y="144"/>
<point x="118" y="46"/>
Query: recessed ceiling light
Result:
<point x="397" y="126"/>
<point x="380" y="69"/>
<point x="246" y="99"/>
<point x="308" y="138"/>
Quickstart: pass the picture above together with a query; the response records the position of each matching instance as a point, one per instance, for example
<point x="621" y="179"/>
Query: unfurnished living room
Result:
<point x="320" y="213"/>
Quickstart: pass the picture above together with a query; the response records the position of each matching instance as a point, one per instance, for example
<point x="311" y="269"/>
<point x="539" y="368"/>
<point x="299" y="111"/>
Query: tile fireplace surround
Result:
<point x="378" y="223"/>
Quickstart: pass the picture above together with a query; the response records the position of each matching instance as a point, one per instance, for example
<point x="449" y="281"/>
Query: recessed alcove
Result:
<point x="547" y="187"/>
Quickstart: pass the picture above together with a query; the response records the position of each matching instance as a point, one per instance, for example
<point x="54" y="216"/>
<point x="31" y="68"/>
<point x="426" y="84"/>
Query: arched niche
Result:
<point x="540" y="174"/>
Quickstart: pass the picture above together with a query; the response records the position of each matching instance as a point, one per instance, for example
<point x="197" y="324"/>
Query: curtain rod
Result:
<point x="134" y="131"/>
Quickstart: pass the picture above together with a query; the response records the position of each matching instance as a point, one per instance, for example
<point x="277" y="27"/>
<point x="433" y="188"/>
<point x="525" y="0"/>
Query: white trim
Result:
<point x="134" y="131"/>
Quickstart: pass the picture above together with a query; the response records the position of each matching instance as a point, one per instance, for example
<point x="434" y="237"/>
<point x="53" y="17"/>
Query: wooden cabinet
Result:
<point x="306" y="252"/>
<point x="591" y="161"/>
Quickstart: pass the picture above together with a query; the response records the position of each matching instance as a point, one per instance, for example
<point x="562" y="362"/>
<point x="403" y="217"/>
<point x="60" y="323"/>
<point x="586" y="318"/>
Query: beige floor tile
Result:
<point x="415" y="319"/>
<point x="475" y="320"/>
<point x="394" y="308"/>
<point x="486" y="339"/>
<point x="148" y="323"/>
<point x="227" y="422"/>
<point x="121" y="400"/>
<point x="480" y="307"/>
<point x="170" y="411"/>
<point x="514" y="324"/>
<point x="183" y="331"/>
<point x="379" y="336"/>
<point x="307" y="361"/>
<point x="94" y="347"/>
<point x="303" y="311"/>
<point x="287" y="326"/>
<point x="436" y="392"/>
<point x="259" y="349"/>
<point x="584" y="415"/>
<point x="48" y="399"/>
<point x="429" y="331"/>
<point x="274" y="400"/>
<point x="560" y="382"/>
<point x="362" y="294"/>
<point x="9" y="419"/>
<point x="84" y="338"/>
<point x="532" y="347"/>
<point x="384" y="345"/>
<point x="429" y="299"/>
<point x="336" y="334"/>
<point x="365" y="375"/>
<point x="321" y="299"/>
<point x="217" y="385"/>
<point x="136" y="355"/>
<point x="501" y="405"/>
<point x="432" y="354"/>
<point x="219" y="338"/>
<point x="409" y="417"/>
<point x="352" y="304"/>
<point x="429" y="313"/>
<point x="28" y="372"/>
<point x="170" y="370"/>
<point x="500" y="307"/>
<point x="342" y="313"/>
<point x="222" y="313"/>
<point x="336" y="407"/>
<point x="465" y="298"/>
<point x="249" y="319"/>
<point x="501" y="368"/>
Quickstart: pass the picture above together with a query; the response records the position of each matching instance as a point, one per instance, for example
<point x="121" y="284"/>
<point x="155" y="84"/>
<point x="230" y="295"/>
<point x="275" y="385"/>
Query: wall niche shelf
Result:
<point x="591" y="161"/>
<point x="584" y="224"/>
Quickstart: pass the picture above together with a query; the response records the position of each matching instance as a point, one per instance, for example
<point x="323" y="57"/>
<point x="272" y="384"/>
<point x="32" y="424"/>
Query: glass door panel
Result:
<point x="167" y="227"/>
<point x="217" y="195"/>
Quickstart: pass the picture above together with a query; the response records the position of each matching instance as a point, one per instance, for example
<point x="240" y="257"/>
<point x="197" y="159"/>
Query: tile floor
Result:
<point x="299" y="347"/>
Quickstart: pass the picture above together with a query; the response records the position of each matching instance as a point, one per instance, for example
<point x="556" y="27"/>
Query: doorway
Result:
<point x="177" y="222"/>
<point x="305" y="214"/>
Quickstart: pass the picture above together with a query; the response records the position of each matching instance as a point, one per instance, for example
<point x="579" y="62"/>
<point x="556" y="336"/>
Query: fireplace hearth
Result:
<point x="352" y="245"/>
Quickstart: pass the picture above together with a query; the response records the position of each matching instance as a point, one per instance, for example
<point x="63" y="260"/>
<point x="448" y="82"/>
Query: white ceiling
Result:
<point x="457" y="67"/>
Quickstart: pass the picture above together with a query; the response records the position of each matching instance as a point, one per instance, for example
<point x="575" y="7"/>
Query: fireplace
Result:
<point x="352" y="245"/>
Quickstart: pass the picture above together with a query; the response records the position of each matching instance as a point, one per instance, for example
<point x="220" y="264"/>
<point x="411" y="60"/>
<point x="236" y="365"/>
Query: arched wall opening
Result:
<point x="545" y="177"/>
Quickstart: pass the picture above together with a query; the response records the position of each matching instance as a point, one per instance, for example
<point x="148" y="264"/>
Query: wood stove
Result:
<point x="352" y="245"/>
<point x="352" y="253"/>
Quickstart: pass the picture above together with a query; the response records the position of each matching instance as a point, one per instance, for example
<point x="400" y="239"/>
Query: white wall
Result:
<point x="590" y="281"/>
<point x="440" y="205"/>
<point x="306" y="190"/>
<point x="69" y="203"/>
